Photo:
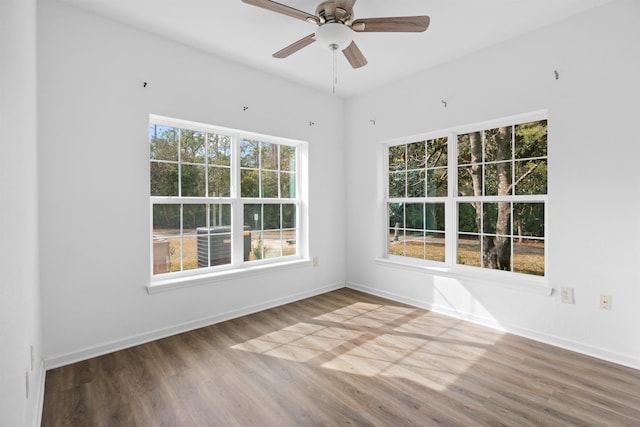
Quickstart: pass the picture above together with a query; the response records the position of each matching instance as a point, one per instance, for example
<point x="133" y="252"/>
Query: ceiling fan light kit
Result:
<point x="336" y="27"/>
<point x="334" y="36"/>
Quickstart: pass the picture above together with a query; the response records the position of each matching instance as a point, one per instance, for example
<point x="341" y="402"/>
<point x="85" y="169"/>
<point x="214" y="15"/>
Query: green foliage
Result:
<point x="418" y="169"/>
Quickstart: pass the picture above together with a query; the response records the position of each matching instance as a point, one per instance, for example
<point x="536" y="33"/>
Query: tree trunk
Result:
<point x="503" y="229"/>
<point x="496" y="252"/>
<point x="489" y="258"/>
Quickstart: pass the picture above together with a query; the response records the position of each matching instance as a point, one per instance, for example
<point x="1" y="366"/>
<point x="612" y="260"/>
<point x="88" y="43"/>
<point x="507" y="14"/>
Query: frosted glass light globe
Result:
<point x="332" y="33"/>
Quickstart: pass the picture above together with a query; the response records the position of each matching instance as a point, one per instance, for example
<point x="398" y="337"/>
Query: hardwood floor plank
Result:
<point x="338" y="359"/>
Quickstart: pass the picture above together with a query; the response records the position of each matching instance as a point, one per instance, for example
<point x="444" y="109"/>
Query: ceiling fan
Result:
<point x="336" y="25"/>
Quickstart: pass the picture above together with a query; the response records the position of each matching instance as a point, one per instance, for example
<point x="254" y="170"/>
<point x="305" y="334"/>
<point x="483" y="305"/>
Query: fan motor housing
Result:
<point x="328" y="12"/>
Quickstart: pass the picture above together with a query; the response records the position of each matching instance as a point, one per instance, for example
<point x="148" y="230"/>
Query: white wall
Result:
<point x="93" y="173"/>
<point x="593" y="232"/>
<point x="19" y="294"/>
<point x="94" y="198"/>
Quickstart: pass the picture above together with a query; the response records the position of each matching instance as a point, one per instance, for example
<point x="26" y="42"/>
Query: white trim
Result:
<point x="120" y="344"/>
<point x="37" y="419"/>
<point x="248" y="270"/>
<point x="629" y="360"/>
<point x="237" y="267"/>
<point x="451" y="201"/>
<point x="509" y="280"/>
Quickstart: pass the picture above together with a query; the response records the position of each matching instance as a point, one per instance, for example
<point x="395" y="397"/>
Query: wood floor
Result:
<point x="339" y="359"/>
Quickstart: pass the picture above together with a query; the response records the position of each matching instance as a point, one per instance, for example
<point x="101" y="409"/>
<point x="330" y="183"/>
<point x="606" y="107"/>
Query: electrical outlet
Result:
<point x="605" y="302"/>
<point x="316" y="261"/>
<point x="566" y="295"/>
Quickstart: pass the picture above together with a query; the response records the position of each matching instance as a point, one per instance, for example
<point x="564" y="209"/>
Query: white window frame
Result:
<point x="237" y="267"/>
<point x="450" y="267"/>
<point x="446" y="200"/>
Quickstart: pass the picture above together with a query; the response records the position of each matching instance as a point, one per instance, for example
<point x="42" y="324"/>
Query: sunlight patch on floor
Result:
<point x="373" y="339"/>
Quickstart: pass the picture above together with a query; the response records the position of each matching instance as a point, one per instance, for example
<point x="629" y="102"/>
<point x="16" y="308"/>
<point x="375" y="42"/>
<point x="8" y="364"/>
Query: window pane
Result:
<point x="437" y="152"/>
<point x="468" y="217"/>
<point x="164" y="179"/>
<point x="435" y="216"/>
<point x="416" y="155"/>
<point x="192" y="146"/>
<point x="220" y="215"/>
<point x="397" y="155"/>
<point x="166" y="219"/>
<point x="396" y="241"/>
<point x="166" y="242"/>
<point x="415" y="183"/>
<point x="289" y="216"/>
<point x="161" y="255"/>
<point x="468" y="250"/>
<point x="193" y="181"/>
<point x="219" y="149"/>
<point x="289" y="243"/>
<point x="219" y="181"/>
<point x="214" y="246"/>
<point x="396" y="215"/>
<point x="269" y="184"/>
<point x="414" y="245"/>
<point x="437" y="183"/>
<point x="287" y="158"/>
<point x="288" y="184"/>
<point x="531" y="177"/>
<point x="464" y="149"/>
<point x="528" y="219"/>
<point x="249" y="183"/>
<point x="253" y="216"/>
<point x="465" y="181"/>
<point x="272" y="241"/>
<point x="528" y="256"/>
<point x="397" y="183"/>
<point x="271" y="217"/>
<point x="193" y="216"/>
<point x="497" y="180"/>
<point x="435" y="248"/>
<point x="496" y="218"/>
<point x="269" y="155"/>
<point x="497" y="143"/>
<point x="249" y="153"/>
<point x="163" y="143"/>
<point x="531" y="140"/>
<point x="415" y="216"/>
<point x="175" y="253"/>
<point x="257" y="246"/>
<point x="189" y="252"/>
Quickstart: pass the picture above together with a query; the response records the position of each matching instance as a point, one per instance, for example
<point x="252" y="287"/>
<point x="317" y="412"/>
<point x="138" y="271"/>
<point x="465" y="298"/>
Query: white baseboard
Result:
<point x="600" y="353"/>
<point x="99" y="350"/>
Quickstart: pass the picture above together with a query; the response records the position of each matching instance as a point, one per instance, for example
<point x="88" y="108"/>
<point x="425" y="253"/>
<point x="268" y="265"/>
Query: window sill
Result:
<point x="539" y="286"/>
<point x="236" y="273"/>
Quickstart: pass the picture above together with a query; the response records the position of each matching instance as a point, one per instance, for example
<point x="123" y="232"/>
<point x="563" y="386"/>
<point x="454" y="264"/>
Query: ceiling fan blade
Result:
<point x="283" y="9"/>
<point x="294" y="47"/>
<point x="355" y="56"/>
<point x="398" y="24"/>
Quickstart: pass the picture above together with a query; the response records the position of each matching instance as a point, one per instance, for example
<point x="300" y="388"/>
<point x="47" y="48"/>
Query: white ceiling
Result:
<point x="249" y="35"/>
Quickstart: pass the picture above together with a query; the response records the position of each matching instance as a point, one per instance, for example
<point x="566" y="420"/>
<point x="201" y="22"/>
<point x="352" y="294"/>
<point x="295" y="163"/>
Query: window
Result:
<point x="221" y="199"/>
<point x="417" y="188"/>
<point x="497" y="213"/>
<point x="502" y="187"/>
